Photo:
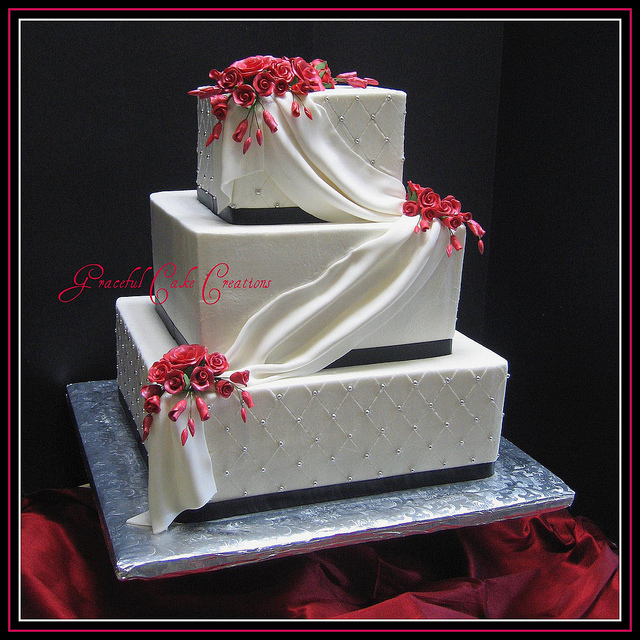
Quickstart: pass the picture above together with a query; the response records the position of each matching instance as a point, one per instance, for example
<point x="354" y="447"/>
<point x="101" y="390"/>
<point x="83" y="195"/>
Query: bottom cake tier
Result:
<point x="338" y="433"/>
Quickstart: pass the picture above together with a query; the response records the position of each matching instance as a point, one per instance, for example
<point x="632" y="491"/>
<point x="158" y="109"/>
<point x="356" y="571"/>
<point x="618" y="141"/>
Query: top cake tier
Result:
<point x="333" y="151"/>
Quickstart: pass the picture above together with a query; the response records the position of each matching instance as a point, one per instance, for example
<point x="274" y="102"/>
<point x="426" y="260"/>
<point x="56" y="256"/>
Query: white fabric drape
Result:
<point x="304" y="330"/>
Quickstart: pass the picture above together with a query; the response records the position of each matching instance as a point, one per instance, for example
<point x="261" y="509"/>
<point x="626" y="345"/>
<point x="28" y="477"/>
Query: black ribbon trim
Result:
<point x="358" y="489"/>
<point x="356" y="357"/>
<point x="278" y="215"/>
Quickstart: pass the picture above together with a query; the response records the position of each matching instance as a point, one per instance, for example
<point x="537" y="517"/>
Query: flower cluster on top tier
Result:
<point x="246" y="81"/>
<point x="426" y="203"/>
<point x="189" y="370"/>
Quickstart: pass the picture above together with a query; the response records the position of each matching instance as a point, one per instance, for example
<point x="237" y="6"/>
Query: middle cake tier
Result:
<point x="211" y="277"/>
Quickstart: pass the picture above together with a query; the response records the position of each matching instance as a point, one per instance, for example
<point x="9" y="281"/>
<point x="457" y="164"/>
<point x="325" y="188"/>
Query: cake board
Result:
<point x="519" y="487"/>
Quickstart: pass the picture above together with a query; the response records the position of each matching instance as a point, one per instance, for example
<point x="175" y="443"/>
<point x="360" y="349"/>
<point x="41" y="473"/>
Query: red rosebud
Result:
<point x="176" y="412"/>
<point x="202" y="408"/>
<point x="215" y="133"/>
<point x="152" y="404"/>
<point x="240" y="377"/>
<point x="449" y="250"/>
<point x="457" y="245"/>
<point x="295" y="109"/>
<point x="243" y="414"/>
<point x="481" y="246"/>
<point x="270" y="121"/>
<point x="259" y="136"/>
<point x="240" y="131"/>
<point x="248" y="400"/>
<point x="424" y="224"/>
<point x="183" y="436"/>
<point x="150" y="390"/>
<point x="192" y="426"/>
<point x="246" y="145"/>
<point x="308" y="113"/>
<point x="224" y="388"/>
<point x="146" y="426"/>
<point x="476" y="228"/>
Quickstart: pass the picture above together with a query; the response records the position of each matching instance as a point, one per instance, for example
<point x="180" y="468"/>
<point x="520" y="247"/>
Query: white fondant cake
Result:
<point x="277" y="363"/>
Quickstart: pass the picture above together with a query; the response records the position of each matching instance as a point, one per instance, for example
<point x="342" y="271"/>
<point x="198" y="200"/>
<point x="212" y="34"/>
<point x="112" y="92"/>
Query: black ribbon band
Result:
<point x="356" y="357"/>
<point x="358" y="489"/>
<point x="277" y="215"/>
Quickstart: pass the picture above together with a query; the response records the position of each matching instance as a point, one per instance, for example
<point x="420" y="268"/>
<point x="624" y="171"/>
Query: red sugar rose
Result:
<point x="186" y="355"/>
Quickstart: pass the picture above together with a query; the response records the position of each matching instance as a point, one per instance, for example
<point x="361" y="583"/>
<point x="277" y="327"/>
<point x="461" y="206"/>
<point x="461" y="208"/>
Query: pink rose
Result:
<point x="174" y="382"/>
<point x="202" y="378"/>
<point x="217" y="362"/>
<point x="263" y="84"/>
<point x="224" y="388"/>
<point x="186" y="355"/>
<point x="159" y="370"/>
<point x="244" y="95"/>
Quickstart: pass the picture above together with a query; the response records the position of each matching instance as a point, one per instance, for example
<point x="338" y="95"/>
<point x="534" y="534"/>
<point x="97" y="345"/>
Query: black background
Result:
<point x="518" y="118"/>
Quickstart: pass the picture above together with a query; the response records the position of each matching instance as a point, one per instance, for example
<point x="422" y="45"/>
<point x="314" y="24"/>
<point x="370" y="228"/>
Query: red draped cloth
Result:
<point x="547" y="566"/>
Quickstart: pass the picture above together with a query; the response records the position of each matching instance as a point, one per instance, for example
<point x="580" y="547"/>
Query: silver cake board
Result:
<point x="519" y="487"/>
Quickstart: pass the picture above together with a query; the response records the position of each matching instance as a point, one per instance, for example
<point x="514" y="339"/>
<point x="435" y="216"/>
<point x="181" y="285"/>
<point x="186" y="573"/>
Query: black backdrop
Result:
<point x="517" y="118"/>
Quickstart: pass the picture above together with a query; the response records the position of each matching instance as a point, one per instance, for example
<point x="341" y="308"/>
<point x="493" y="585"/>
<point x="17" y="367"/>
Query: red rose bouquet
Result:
<point x="191" y="370"/>
<point x="246" y="81"/>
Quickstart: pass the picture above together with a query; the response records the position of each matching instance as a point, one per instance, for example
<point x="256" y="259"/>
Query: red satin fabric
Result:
<point x="551" y="566"/>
